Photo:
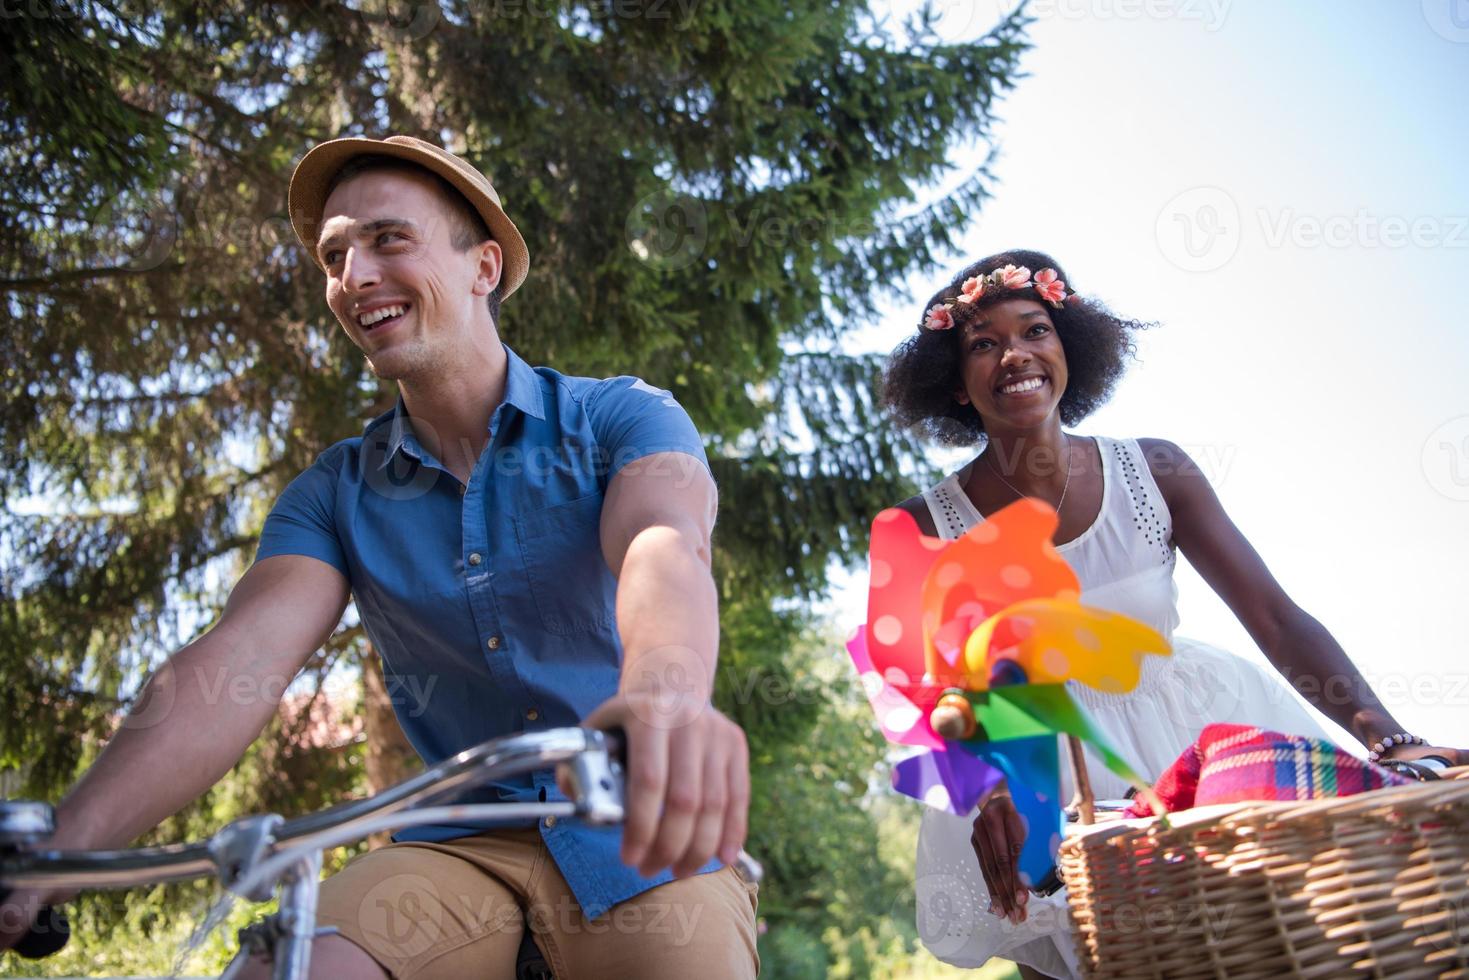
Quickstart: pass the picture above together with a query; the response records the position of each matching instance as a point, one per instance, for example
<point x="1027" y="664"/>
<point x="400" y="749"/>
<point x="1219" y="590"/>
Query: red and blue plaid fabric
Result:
<point x="1240" y="764"/>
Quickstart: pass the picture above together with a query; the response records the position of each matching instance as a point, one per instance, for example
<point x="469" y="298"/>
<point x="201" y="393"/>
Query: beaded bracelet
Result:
<point x="1401" y="738"/>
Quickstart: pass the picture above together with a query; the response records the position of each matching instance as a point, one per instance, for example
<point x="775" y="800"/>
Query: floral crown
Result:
<point x="1046" y="283"/>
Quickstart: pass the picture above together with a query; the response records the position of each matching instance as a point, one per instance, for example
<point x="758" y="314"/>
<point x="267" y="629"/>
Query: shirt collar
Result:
<point x="522" y="392"/>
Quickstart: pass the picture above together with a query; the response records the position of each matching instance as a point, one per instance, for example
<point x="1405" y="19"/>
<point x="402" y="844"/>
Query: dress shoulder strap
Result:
<point x="1139" y="505"/>
<point x="950" y="508"/>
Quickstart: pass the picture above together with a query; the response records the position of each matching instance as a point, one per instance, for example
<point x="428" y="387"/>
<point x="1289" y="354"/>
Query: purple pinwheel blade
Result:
<point x="950" y="781"/>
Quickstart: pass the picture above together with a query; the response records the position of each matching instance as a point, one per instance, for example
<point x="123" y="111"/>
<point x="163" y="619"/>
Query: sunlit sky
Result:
<point x="1281" y="184"/>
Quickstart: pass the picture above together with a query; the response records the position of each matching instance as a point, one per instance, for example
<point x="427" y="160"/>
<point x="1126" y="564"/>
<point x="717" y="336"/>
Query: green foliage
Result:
<point x="713" y="197"/>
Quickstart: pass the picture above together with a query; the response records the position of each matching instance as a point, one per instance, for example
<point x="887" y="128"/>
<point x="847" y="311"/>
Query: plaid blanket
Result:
<point x="1240" y="763"/>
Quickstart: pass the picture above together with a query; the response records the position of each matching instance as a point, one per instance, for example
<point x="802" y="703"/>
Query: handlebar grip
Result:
<point x="46" y="935"/>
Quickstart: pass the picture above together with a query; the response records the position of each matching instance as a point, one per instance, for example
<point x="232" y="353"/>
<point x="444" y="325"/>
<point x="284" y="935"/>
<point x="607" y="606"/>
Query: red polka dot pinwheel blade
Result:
<point x="1001" y="561"/>
<point x="902" y="712"/>
<point x="899" y="558"/>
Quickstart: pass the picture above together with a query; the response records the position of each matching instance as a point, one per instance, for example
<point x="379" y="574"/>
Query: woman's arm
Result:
<point x="1295" y="643"/>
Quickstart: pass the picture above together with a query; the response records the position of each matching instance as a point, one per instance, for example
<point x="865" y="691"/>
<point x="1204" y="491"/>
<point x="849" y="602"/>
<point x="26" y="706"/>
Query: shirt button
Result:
<point x="550" y="822"/>
<point x="493" y="643"/>
<point x="474" y="558"/>
<point x="532" y="714"/>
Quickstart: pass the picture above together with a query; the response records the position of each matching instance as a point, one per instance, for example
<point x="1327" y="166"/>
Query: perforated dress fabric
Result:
<point x="1125" y="562"/>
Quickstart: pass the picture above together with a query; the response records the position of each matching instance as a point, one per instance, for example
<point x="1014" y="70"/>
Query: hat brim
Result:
<point x="306" y="198"/>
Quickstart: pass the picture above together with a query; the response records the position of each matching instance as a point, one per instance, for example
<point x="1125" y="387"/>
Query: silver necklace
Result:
<point x="1064" y="487"/>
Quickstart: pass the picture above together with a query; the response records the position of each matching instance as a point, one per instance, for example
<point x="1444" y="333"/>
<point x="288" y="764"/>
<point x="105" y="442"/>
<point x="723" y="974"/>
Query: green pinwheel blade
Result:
<point x="1002" y="719"/>
<point x="1050" y="708"/>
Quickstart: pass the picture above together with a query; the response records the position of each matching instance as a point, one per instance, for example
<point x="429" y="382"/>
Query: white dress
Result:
<point x="1125" y="563"/>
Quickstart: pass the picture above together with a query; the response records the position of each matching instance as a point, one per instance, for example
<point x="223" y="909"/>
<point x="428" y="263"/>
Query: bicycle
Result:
<point x="256" y="855"/>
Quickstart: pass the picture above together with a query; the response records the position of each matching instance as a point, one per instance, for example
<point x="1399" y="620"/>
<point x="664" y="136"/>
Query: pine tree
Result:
<point x="715" y="193"/>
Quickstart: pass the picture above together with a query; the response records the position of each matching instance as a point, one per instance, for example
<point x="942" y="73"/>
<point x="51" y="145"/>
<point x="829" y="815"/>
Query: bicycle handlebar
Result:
<point x="511" y="755"/>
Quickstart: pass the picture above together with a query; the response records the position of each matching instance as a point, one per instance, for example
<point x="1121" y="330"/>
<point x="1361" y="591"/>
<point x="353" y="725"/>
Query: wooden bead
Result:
<point x="953" y="717"/>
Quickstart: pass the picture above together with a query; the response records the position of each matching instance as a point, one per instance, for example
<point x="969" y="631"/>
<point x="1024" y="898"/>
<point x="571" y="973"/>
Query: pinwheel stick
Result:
<point x="1083" y="801"/>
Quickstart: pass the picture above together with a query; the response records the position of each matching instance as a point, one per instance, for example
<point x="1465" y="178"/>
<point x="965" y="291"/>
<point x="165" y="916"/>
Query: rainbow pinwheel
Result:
<point x="990" y="625"/>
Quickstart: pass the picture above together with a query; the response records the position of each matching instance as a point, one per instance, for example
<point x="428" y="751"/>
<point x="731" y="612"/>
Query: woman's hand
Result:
<point x="998" y="835"/>
<point x="1412" y="753"/>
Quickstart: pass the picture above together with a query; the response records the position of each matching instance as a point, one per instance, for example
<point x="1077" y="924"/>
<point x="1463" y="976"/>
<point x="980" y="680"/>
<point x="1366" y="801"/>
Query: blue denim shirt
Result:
<point x="490" y="603"/>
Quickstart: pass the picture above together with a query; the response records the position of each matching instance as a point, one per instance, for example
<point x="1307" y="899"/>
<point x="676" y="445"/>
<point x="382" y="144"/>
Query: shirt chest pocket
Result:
<point x="569" y="581"/>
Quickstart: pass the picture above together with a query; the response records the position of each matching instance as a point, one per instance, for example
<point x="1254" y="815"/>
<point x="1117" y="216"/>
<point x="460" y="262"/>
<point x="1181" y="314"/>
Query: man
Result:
<point x="526" y="550"/>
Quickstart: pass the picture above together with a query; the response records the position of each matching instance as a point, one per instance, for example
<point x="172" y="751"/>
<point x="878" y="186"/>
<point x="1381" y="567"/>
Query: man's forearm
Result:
<point x="667" y="616"/>
<point x="193" y="721"/>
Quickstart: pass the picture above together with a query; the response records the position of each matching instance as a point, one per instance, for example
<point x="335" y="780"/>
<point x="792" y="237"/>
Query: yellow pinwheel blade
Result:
<point x="1058" y="640"/>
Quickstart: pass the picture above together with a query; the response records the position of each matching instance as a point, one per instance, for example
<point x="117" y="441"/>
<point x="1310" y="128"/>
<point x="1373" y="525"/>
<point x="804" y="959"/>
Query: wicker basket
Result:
<point x="1375" y="885"/>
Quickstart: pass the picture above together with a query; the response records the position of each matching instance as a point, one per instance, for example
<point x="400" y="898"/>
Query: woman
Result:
<point x="1003" y="357"/>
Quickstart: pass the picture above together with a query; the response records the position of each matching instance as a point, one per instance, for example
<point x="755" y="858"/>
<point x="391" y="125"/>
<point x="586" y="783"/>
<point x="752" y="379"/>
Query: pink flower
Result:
<point x="1014" y="278"/>
<point x="972" y="290"/>
<point x="1049" y="287"/>
<point x="939" y="318"/>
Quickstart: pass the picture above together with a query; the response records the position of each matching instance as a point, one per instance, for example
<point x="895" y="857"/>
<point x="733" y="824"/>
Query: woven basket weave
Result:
<point x="1374" y="885"/>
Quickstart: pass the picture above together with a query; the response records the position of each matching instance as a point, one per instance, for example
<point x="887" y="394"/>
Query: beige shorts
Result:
<point x="455" y="909"/>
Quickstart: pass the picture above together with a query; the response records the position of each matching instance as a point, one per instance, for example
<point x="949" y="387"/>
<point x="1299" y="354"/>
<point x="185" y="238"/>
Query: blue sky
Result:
<point x="1281" y="185"/>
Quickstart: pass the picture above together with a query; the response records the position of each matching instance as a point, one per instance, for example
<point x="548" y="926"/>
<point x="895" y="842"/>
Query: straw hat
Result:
<point x="307" y="196"/>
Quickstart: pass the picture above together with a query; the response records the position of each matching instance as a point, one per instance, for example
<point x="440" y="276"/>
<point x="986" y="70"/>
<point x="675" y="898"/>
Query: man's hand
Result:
<point x="19" y="910"/>
<point x="999" y="834"/>
<point x="688" y="780"/>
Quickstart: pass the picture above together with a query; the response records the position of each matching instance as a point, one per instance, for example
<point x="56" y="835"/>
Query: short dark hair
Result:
<point x="922" y="374"/>
<point x="467" y="229"/>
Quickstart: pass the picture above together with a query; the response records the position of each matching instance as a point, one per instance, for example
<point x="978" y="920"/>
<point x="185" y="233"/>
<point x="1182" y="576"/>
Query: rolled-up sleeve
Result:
<point x="632" y="419"/>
